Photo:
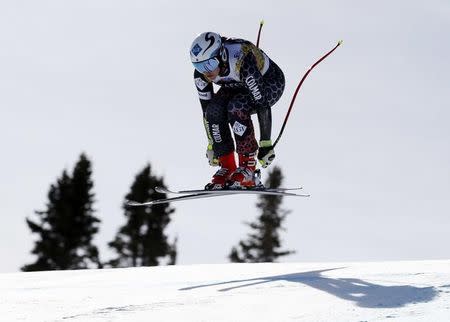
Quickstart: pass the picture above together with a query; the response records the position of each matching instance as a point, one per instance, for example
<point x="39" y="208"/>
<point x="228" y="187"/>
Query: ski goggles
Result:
<point x="207" y="66"/>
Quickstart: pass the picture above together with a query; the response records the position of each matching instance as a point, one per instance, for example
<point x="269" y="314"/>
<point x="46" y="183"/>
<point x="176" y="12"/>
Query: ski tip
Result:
<point x="132" y="203"/>
<point x="160" y="189"/>
<point x="299" y="195"/>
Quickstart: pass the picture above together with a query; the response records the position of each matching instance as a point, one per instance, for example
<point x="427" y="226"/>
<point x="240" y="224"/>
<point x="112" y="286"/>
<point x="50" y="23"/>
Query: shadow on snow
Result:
<point x="363" y="293"/>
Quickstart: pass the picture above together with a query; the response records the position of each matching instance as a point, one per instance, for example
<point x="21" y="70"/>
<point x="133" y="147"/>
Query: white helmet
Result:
<point x="205" y="51"/>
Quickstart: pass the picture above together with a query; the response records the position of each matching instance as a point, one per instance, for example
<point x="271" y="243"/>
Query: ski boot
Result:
<point x="221" y="177"/>
<point x="246" y="176"/>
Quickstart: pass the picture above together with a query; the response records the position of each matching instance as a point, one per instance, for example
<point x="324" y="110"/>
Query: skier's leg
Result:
<point x="223" y="145"/>
<point x="239" y="115"/>
<point x="217" y="117"/>
<point x="240" y="109"/>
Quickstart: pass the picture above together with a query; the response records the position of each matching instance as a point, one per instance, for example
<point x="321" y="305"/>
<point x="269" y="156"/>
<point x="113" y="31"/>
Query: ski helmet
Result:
<point x="205" y="51"/>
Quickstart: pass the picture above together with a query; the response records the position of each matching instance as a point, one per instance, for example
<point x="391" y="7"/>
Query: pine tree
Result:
<point x="142" y="241"/>
<point x="263" y="243"/>
<point x="66" y="228"/>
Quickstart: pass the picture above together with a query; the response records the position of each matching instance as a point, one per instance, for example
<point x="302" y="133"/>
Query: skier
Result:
<point x="250" y="82"/>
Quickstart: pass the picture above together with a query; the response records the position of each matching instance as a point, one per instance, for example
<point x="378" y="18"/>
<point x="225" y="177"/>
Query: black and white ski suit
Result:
<point x="250" y="82"/>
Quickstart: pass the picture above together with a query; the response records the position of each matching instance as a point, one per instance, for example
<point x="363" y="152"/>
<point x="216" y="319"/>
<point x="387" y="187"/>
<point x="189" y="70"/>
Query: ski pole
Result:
<point x="298" y="88"/>
<point x="261" y="23"/>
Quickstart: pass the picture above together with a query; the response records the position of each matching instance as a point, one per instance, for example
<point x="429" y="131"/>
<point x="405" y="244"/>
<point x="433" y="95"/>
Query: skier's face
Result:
<point x="212" y="75"/>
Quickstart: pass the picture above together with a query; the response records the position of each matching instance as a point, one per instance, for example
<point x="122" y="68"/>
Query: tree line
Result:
<point x="65" y="229"/>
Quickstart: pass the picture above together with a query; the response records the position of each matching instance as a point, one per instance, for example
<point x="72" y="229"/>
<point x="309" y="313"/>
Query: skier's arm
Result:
<point x="204" y="89"/>
<point x="253" y="80"/>
<point x="205" y="93"/>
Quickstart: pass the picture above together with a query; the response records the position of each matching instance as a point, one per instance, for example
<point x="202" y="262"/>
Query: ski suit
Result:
<point x="250" y="82"/>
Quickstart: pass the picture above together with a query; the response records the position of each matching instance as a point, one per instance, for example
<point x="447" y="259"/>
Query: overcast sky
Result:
<point x="369" y="135"/>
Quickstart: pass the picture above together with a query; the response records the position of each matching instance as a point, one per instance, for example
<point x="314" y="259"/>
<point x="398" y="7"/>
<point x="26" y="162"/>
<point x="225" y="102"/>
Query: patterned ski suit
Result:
<point x="250" y="82"/>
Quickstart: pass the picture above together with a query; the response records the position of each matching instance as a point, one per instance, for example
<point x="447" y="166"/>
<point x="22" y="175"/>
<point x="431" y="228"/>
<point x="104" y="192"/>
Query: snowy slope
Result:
<point x="399" y="291"/>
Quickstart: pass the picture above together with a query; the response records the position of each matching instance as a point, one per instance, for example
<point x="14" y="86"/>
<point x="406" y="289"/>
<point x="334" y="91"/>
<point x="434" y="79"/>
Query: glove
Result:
<point x="213" y="161"/>
<point x="266" y="154"/>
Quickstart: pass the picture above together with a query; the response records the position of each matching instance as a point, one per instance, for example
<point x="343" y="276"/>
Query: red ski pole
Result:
<point x="298" y="88"/>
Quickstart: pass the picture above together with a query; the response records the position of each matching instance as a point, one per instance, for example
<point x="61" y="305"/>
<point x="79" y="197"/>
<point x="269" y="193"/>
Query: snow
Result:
<point x="402" y="291"/>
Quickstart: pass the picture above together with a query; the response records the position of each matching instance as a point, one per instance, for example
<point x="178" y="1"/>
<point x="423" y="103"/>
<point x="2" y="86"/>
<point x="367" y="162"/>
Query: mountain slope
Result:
<point x="408" y="291"/>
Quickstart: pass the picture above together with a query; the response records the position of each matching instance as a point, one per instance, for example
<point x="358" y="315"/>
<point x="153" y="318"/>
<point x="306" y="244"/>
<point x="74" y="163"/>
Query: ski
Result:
<point x="132" y="203"/>
<point x="274" y="191"/>
<point x="198" y="194"/>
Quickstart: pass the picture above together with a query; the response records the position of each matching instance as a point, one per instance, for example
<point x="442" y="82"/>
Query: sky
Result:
<point x="368" y="137"/>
